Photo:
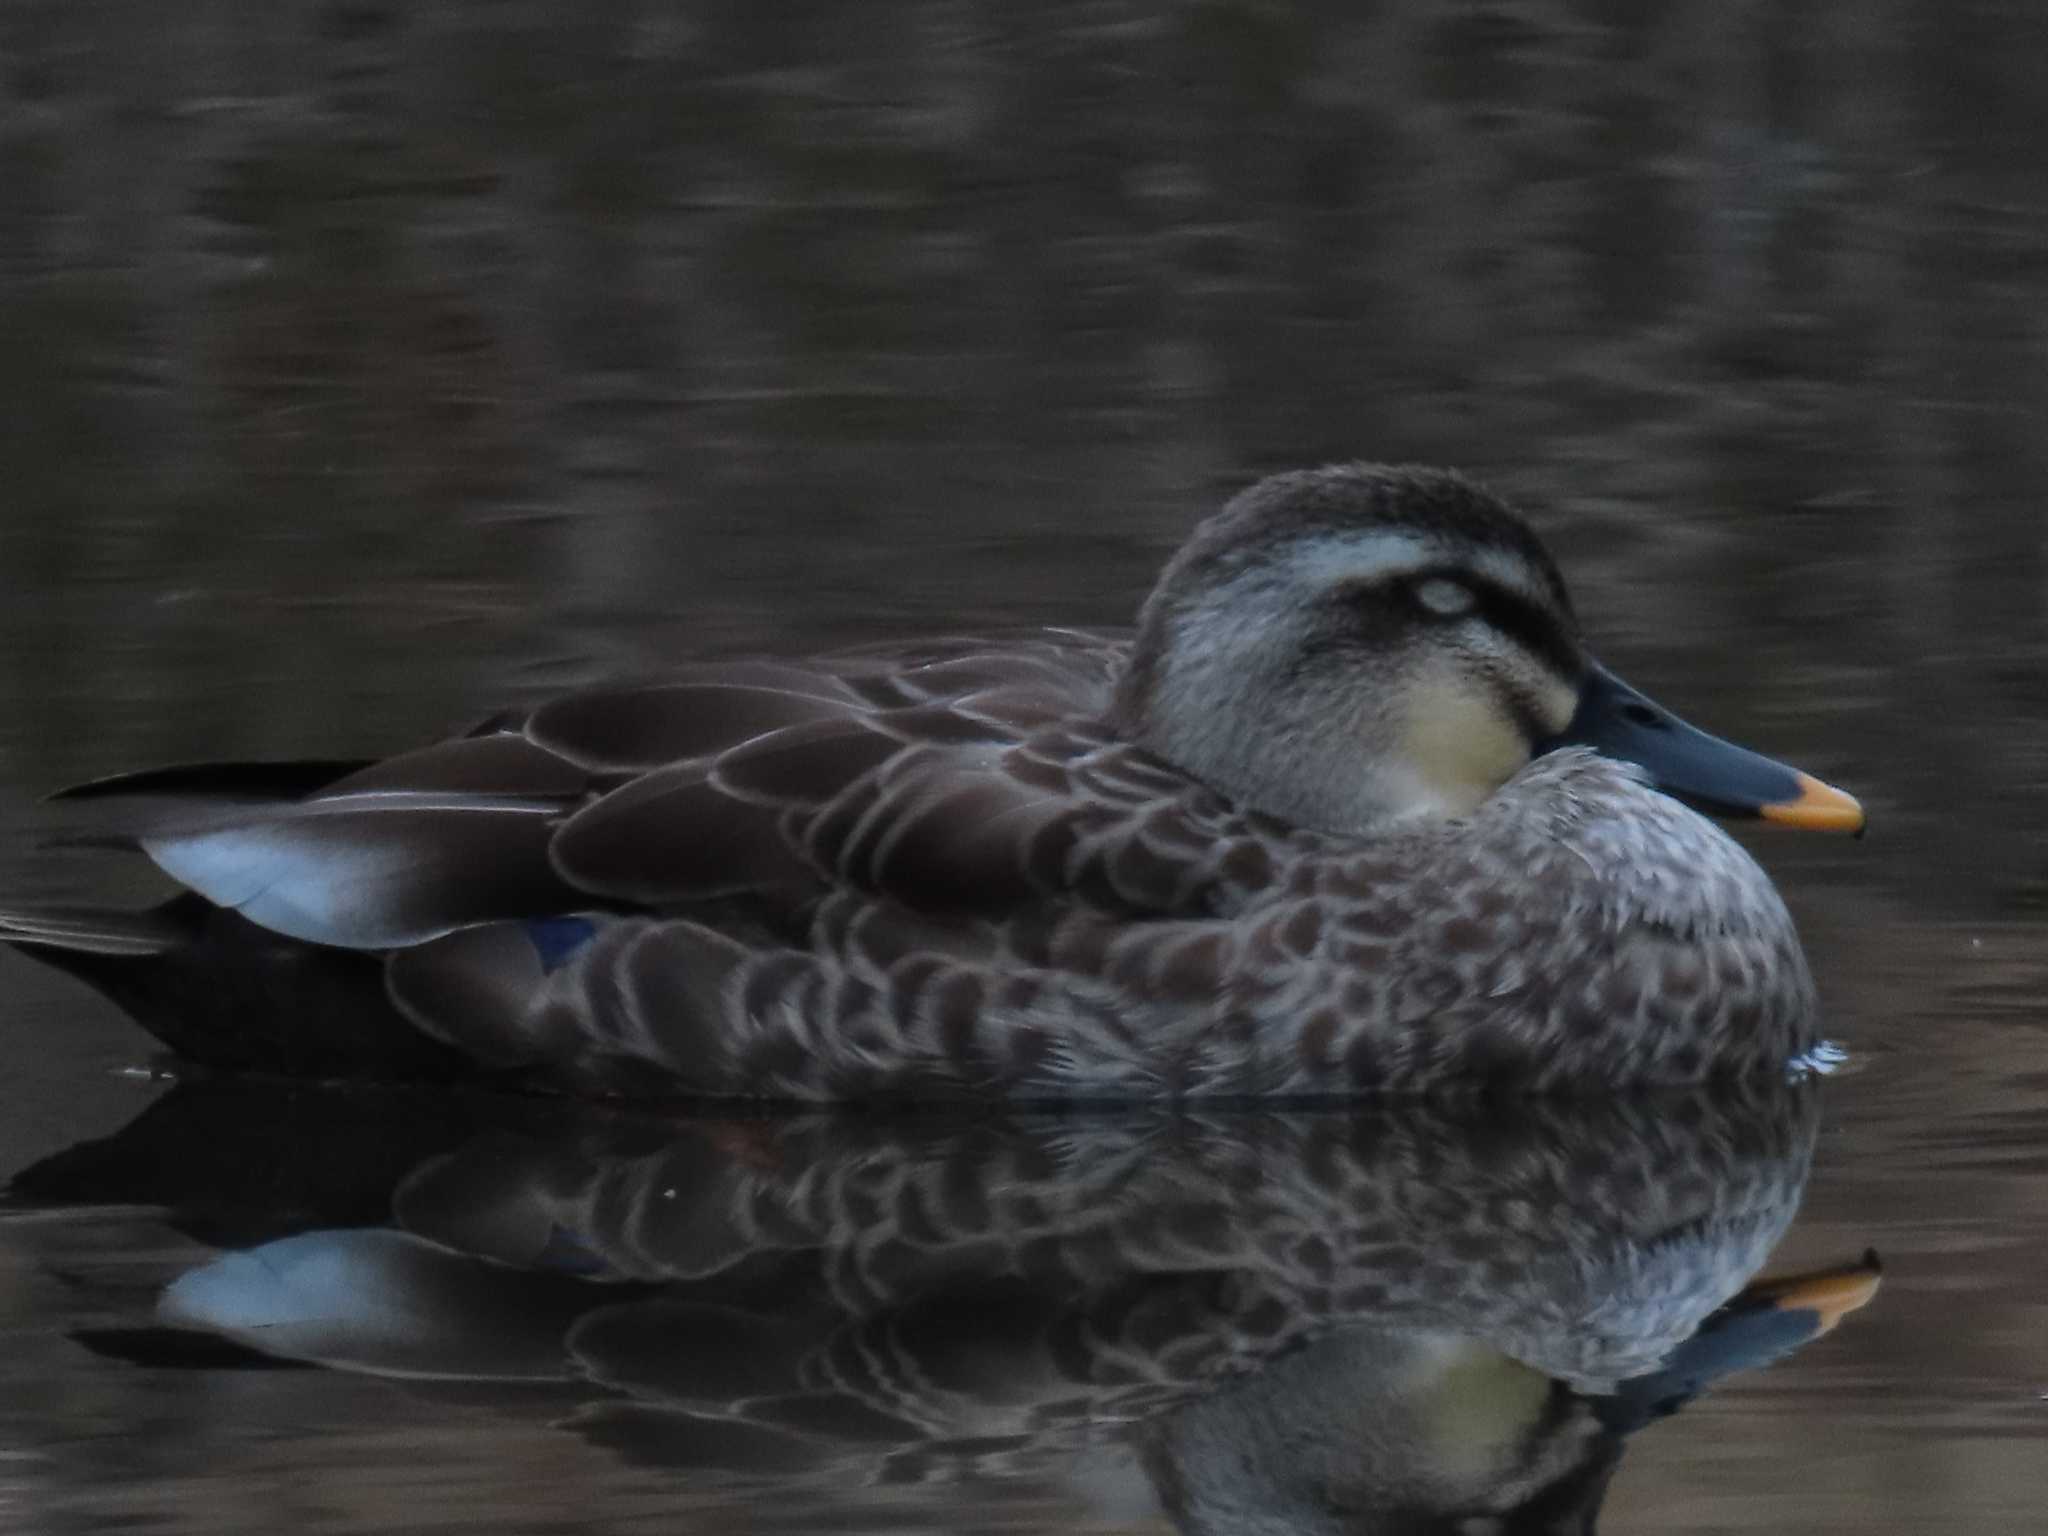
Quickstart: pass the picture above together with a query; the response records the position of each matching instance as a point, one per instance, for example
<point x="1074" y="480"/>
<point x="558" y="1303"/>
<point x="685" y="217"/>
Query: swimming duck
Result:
<point x="1353" y="810"/>
<point x="1417" y="1316"/>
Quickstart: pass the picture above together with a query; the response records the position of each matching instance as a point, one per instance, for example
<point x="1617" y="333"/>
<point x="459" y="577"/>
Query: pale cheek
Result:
<point x="1461" y="748"/>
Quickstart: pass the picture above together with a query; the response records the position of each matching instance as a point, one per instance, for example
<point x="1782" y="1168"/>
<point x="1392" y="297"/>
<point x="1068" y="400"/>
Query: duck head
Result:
<point x="1362" y="644"/>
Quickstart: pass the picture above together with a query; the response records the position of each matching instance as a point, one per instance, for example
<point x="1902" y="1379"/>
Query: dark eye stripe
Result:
<point x="1532" y="627"/>
<point x="1528" y="625"/>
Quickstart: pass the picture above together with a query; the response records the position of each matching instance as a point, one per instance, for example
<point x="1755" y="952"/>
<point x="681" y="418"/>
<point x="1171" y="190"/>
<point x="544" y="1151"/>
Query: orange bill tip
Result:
<point x="1832" y="1294"/>
<point x="1817" y="807"/>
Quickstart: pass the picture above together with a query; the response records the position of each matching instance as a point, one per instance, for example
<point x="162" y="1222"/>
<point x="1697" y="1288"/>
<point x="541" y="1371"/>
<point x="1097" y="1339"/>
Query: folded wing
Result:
<point x="957" y="776"/>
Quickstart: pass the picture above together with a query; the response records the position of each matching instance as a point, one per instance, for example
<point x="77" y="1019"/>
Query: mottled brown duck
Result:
<point x="1414" y="1316"/>
<point x="1354" y="810"/>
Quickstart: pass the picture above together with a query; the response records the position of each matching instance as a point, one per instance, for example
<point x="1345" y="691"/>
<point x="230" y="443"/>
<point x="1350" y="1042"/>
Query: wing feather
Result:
<point x="677" y="836"/>
<point x="961" y="776"/>
<point x="700" y="713"/>
<point x="372" y="870"/>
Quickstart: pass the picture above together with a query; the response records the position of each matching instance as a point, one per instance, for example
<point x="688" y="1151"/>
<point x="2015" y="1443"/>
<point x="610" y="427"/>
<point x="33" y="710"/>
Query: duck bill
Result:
<point x="1764" y="1322"/>
<point x="1826" y="1296"/>
<point x="1706" y="772"/>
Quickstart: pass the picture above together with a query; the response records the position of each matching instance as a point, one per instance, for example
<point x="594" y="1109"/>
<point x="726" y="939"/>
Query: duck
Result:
<point x="1353" y="810"/>
<point x="1415" y="1315"/>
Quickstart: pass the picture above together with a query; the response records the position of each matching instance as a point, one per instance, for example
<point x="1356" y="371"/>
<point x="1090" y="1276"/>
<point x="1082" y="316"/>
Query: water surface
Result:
<point x="370" y="367"/>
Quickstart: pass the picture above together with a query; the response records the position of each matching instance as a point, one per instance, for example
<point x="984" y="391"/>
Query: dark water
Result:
<point x="368" y="366"/>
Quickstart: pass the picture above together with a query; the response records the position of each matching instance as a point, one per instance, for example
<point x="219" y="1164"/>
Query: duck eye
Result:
<point x="1445" y="598"/>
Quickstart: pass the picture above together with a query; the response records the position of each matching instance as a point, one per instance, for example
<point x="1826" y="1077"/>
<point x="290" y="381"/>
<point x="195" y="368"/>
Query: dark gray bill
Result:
<point x="1704" y="771"/>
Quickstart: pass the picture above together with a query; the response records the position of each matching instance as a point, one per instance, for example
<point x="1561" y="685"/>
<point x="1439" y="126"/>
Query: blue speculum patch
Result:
<point x="556" y="939"/>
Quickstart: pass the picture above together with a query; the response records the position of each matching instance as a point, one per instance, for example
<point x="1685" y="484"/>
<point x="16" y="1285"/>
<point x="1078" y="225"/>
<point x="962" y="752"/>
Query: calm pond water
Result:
<point x="370" y="366"/>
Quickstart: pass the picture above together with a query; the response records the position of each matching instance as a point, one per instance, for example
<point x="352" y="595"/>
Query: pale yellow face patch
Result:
<point x="1479" y="1411"/>
<point x="1458" y="745"/>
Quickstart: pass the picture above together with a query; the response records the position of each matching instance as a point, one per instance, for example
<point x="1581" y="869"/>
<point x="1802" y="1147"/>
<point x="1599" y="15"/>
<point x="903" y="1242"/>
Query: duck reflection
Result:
<point x="1396" y="1317"/>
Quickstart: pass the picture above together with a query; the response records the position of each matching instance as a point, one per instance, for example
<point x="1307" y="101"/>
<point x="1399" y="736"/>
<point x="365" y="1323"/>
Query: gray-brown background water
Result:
<point x="364" y="366"/>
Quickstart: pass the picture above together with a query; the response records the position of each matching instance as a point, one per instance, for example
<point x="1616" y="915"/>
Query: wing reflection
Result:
<point x="1396" y="1316"/>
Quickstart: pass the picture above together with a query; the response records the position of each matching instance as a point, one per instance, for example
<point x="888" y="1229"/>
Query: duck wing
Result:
<point x="385" y="855"/>
<point x="953" y="775"/>
<point x="956" y="779"/>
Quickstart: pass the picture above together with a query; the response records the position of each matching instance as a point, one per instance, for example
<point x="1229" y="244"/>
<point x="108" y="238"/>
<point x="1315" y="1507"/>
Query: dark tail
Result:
<point x="216" y="781"/>
<point x="220" y="991"/>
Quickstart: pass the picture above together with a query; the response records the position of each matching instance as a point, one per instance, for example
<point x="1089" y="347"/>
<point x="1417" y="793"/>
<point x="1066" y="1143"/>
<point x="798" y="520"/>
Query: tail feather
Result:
<point x="218" y="781"/>
<point x="220" y="991"/>
<point x="95" y="931"/>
